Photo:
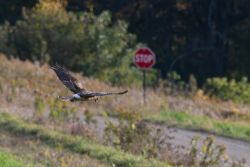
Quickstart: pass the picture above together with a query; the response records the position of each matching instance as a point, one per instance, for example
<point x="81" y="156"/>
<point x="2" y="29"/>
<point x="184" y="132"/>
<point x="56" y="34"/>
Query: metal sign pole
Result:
<point x="144" y="58"/>
<point x="144" y="86"/>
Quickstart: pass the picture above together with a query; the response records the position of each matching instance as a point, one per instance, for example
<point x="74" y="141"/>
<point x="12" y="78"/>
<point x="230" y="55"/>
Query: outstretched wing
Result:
<point x="68" y="80"/>
<point x="91" y="94"/>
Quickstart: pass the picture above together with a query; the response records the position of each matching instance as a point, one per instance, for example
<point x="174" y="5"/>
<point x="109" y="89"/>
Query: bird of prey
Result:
<point x="80" y="93"/>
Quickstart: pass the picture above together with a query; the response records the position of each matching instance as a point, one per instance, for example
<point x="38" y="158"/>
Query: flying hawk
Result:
<point x="79" y="92"/>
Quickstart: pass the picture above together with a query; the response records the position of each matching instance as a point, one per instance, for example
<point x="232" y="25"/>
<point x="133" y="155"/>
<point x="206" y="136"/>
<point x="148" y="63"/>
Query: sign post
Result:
<point x="144" y="86"/>
<point x="144" y="58"/>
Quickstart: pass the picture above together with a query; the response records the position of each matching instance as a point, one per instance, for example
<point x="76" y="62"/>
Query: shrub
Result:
<point x="5" y="31"/>
<point x="136" y="136"/>
<point x="133" y="135"/>
<point x="209" y="155"/>
<point x="174" y="84"/>
<point x="238" y="91"/>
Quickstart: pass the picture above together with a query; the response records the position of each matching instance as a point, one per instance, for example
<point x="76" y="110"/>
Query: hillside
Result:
<point x="29" y="90"/>
<point x="21" y="83"/>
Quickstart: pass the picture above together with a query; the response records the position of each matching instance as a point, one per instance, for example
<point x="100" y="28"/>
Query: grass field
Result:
<point x="39" y="154"/>
<point x="107" y="155"/>
<point x="8" y="160"/>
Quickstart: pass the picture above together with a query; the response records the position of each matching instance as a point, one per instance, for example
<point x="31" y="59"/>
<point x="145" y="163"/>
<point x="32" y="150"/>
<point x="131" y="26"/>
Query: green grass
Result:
<point x="8" y="160"/>
<point x="233" y="129"/>
<point x="76" y="144"/>
<point x="39" y="154"/>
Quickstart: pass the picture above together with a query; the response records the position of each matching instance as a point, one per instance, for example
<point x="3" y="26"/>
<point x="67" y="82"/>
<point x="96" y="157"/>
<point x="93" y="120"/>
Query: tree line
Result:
<point x="205" y="38"/>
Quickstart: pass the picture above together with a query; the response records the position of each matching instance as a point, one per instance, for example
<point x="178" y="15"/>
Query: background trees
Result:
<point x="83" y="41"/>
<point x="206" y="38"/>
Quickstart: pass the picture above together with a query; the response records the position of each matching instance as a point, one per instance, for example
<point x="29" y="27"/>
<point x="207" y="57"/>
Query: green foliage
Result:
<point x="176" y="81"/>
<point x="81" y="41"/>
<point x="238" y="91"/>
<point x="60" y="110"/>
<point x="5" y="30"/>
<point x="89" y="117"/>
<point x="151" y="77"/>
<point x="39" y="105"/>
<point x="174" y="84"/>
<point x="193" y="86"/>
<point x="7" y="160"/>
<point x="133" y="135"/>
<point x="1" y="86"/>
<point x="212" y="155"/>
<point x="129" y="134"/>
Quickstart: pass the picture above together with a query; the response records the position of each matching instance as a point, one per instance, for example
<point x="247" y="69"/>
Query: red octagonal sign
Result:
<point x="144" y="58"/>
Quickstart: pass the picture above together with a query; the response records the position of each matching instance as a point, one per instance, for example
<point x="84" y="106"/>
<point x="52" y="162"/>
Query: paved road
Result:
<point x="236" y="149"/>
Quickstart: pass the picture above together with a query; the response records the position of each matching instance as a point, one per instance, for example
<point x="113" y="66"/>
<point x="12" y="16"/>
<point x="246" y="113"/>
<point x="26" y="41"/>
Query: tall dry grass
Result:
<point x="21" y="82"/>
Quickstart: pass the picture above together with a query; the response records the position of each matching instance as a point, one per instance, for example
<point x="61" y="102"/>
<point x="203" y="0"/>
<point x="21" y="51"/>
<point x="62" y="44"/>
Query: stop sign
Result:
<point x="144" y="58"/>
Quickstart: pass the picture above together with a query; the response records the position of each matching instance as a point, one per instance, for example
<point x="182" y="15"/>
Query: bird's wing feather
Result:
<point x="91" y="94"/>
<point x="67" y="79"/>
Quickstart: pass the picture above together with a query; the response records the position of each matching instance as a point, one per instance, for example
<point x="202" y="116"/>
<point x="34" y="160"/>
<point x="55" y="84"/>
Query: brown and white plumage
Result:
<point x="79" y="92"/>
